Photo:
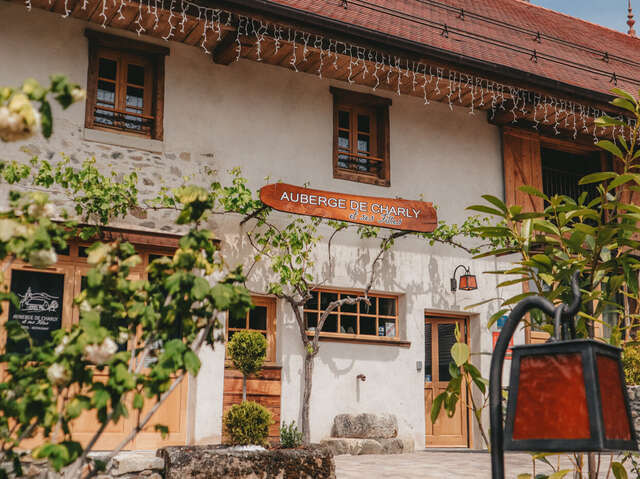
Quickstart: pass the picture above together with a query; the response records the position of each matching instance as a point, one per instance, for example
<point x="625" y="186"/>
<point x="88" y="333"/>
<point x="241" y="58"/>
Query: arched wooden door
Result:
<point x="439" y="337"/>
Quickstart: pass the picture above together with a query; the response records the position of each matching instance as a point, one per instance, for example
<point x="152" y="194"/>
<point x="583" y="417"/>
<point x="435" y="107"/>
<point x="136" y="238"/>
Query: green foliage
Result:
<point x="247" y="351"/>
<point x="595" y="236"/>
<point x="248" y="423"/>
<point x="631" y="364"/>
<point x="98" y="198"/>
<point x="172" y="313"/>
<point x="18" y="117"/>
<point x="290" y="436"/>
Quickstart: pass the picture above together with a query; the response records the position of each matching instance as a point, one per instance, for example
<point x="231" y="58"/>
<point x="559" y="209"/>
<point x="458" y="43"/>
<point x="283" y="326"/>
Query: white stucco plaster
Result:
<point x="276" y="123"/>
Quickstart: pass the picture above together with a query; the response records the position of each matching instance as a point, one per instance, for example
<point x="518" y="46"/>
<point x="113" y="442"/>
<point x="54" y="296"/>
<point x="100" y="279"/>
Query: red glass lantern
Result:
<point x="568" y="396"/>
<point x="468" y="281"/>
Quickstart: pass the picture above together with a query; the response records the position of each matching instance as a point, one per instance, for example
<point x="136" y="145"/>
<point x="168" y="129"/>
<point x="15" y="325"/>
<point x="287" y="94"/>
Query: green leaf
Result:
<point x="619" y="472"/>
<point x="621" y="93"/>
<point x="138" y="401"/>
<point x="200" y="288"/>
<point x="603" y="175"/>
<point x="624" y="103"/>
<point x="437" y="405"/>
<point x="163" y="430"/>
<point x="496" y="202"/>
<point x="532" y="191"/>
<point x="460" y="353"/>
<point x="620" y="180"/>
<point x="191" y="362"/>
<point x="46" y="119"/>
<point x="77" y="405"/>
<point x="486" y="209"/>
<point x="560" y="474"/>
<point x="517" y="298"/>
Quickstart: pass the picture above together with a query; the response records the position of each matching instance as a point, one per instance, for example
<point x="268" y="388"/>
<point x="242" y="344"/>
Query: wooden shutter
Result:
<point x="522" y="166"/>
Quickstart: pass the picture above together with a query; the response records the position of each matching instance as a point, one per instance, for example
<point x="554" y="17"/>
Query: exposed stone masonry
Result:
<point x="634" y="403"/>
<point x="154" y="169"/>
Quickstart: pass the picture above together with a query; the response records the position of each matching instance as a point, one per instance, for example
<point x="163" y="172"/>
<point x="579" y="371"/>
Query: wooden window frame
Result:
<point x="105" y="45"/>
<point x="357" y="337"/>
<point x="270" y="303"/>
<point x="378" y="110"/>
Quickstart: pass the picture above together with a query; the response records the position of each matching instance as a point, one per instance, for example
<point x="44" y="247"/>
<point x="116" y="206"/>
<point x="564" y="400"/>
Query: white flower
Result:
<point x="99" y="354"/>
<point x="57" y="374"/>
<point x="85" y="307"/>
<point x="38" y="209"/>
<point x="15" y="123"/>
<point x="123" y="337"/>
<point x="43" y="258"/>
<point x="4" y="117"/>
<point x="48" y="210"/>
<point x="78" y="94"/>
<point x="60" y="347"/>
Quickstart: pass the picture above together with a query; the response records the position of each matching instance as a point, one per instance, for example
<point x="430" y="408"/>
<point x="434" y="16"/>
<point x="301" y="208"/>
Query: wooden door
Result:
<point x="439" y="337"/>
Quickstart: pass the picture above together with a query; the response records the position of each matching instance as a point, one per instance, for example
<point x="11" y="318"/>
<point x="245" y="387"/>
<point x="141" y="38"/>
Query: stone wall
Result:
<point x="126" y="465"/>
<point x="634" y="403"/>
<point x="213" y="462"/>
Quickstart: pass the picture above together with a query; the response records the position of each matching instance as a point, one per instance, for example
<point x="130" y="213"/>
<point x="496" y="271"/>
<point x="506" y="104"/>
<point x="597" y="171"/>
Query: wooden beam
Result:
<point x="225" y="51"/>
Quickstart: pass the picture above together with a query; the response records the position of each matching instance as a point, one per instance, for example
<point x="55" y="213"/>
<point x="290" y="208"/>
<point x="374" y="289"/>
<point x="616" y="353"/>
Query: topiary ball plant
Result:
<point x="247" y="423"/>
<point x="247" y="351"/>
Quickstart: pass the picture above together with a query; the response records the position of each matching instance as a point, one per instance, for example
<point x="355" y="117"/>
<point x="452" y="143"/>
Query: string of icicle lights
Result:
<point x="364" y="62"/>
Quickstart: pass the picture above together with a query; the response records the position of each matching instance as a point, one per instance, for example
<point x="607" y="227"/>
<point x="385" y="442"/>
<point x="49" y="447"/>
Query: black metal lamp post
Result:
<point x="564" y="395"/>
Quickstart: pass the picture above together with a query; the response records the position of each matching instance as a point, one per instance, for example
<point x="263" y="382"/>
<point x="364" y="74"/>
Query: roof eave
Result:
<point x="359" y="33"/>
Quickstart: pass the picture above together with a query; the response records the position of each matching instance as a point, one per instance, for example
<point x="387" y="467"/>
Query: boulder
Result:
<point x="354" y="446"/>
<point x="365" y="426"/>
<point x="128" y="462"/>
<point x="212" y="462"/>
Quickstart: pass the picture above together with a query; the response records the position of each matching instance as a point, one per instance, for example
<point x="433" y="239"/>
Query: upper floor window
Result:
<point x="125" y="85"/>
<point x="361" y="137"/>
<point x="562" y="171"/>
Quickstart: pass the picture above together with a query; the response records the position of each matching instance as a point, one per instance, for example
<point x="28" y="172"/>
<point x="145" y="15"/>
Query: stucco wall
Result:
<point x="278" y="124"/>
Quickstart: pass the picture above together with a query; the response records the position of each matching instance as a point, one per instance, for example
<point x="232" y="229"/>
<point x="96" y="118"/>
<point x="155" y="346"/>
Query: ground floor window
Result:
<point x="380" y="318"/>
<point x="260" y="318"/>
<point x="45" y="296"/>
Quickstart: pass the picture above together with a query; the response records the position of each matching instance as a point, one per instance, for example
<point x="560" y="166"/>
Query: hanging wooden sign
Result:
<point x="398" y="214"/>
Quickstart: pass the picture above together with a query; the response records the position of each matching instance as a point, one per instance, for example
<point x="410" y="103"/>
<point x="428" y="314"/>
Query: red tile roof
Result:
<point x="501" y="32"/>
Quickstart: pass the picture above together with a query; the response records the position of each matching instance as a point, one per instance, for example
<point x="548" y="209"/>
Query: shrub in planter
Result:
<point x="290" y="436"/>
<point x="248" y="423"/>
<point x="247" y="351"/>
<point x="631" y="365"/>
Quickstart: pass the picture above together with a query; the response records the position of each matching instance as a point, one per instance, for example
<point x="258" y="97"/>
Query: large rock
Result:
<point x="128" y="462"/>
<point x="365" y="426"/>
<point x="212" y="462"/>
<point x="355" y="446"/>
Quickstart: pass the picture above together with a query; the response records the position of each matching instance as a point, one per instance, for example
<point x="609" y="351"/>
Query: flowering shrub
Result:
<point x="18" y="117"/>
<point x="46" y="386"/>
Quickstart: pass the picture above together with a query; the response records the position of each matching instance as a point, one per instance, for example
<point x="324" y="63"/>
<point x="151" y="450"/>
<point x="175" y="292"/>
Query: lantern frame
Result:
<point x="588" y="350"/>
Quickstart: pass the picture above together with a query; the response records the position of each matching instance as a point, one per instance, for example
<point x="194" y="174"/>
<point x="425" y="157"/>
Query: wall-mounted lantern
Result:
<point x="468" y="281"/>
<point x="565" y="395"/>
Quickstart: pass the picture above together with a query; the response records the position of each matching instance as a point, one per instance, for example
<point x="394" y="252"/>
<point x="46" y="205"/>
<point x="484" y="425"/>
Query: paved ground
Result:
<point x="440" y="465"/>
